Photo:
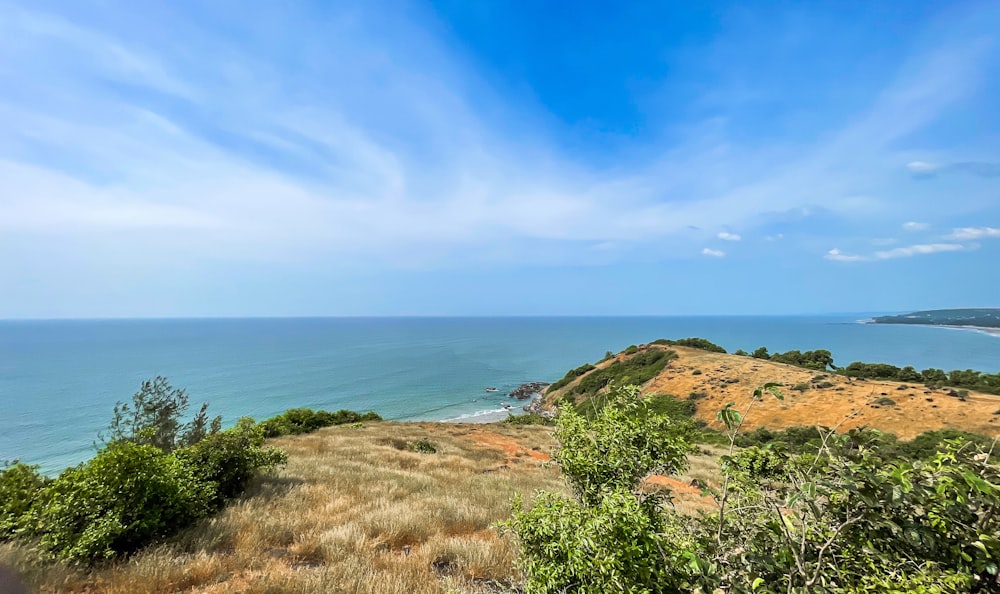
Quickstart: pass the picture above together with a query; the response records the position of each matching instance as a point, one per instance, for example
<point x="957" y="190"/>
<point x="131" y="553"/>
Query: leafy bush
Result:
<point x="231" y="458"/>
<point x="296" y="421"/>
<point x="637" y="369"/>
<point x="610" y="536"/>
<point x="631" y="349"/>
<point x="20" y="487"/>
<point x="885" y="401"/>
<point x="126" y="496"/>
<point x="572" y="374"/>
<point x="422" y="446"/>
<point x="839" y="519"/>
<point x="696" y="372"/>
<point x="694" y="343"/>
<point x="801" y="387"/>
<point x="819" y="359"/>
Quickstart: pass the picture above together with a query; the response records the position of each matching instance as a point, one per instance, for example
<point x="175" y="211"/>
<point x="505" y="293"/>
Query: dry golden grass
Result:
<point x="729" y="378"/>
<point x="350" y="513"/>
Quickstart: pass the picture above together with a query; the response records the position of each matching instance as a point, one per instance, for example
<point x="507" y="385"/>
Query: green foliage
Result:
<point x="842" y="517"/>
<point x="623" y="443"/>
<point x="229" y="459"/>
<point x="422" y="446"/>
<point x="694" y="343"/>
<point x="802" y="387"/>
<point x="154" y="476"/>
<point x="611" y="537"/>
<point x="741" y="353"/>
<point x="637" y="369"/>
<point x="761" y="353"/>
<point x="529" y="419"/>
<point x="819" y="359"/>
<point x="631" y="349"/>
<point x="126" y="496"/>
<point x="968" y="379"/>
<point x="618" y="543"/>
<point x="885" y="401"/>
<point x="296" y="421"/>
<point x="20" y="487"/>
<point x="572" y="374"/>
<point x="154" y="418"/>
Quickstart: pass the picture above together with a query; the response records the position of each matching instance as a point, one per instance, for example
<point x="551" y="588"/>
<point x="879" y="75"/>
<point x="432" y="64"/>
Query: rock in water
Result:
<point x="525" y="391"/>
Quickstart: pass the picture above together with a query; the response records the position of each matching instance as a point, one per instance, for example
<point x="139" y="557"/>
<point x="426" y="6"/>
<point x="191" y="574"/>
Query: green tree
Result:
<point x="154" y="417"/>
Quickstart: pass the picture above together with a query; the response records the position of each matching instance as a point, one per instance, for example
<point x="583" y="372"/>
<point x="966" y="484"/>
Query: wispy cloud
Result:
<point x="838" y="256"/>
<point x="919" y="250"/>
<point x="713" y="253"/>
<point x="725" y="235"/>
<point x="922" y="169"/>
<point x="972" y="233"/>
<point x="901" y="252"/>
<point x="914" y="226"/>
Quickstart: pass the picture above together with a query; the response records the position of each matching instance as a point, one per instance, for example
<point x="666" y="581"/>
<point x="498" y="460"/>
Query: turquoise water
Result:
<point x="60" y="379"/>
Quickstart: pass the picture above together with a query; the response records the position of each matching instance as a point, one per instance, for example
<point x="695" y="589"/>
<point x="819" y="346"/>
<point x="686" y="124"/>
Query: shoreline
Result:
<point x="981" y="329"/>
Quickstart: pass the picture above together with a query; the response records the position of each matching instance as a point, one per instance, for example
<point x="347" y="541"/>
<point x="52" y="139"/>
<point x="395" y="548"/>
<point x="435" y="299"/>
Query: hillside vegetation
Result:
<point x="813" y="397"/>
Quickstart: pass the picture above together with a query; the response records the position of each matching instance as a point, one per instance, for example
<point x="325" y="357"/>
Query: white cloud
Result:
<point x="435" y="174"/>
<point x="775" y="237"/>
<point x="922" y="167"/>
<point x="837" y="256"/>
<point x="919" y="250"/>
<point x="971" y="233"/>
<point x="914" y="226"/>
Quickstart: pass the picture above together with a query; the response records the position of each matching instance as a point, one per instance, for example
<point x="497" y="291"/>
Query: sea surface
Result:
<point x="59" y="380"/>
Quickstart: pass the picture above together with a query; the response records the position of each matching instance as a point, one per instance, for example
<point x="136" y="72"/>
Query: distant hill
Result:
<point x="982" y="318"/>
<point x="709" y="380"/>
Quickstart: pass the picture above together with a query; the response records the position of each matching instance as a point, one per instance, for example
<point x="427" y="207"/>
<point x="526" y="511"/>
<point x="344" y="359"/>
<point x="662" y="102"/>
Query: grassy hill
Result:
<point x="357" y="510"/>
<point x="812" y="397"/>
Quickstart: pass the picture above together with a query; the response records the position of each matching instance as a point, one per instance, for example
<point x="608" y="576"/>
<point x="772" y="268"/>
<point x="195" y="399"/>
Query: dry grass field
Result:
<point x="356" y="511"/>
<point x="353" y="511"/>
<point x="824" y="398"/>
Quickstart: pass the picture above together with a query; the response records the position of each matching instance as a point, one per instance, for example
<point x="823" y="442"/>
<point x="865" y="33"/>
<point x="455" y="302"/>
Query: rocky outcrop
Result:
<point x="525" y="391"/>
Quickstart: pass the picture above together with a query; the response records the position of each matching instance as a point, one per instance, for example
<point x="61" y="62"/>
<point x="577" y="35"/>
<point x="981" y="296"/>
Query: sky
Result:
<point x="515" y="157"/>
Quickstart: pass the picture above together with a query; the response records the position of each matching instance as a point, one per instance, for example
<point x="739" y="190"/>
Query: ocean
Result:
<point x="59" y="380"/>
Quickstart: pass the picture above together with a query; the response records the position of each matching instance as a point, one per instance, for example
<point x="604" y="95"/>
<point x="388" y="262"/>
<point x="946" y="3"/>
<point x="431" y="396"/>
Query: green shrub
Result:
<point x="296" y="421"/>
<point x="20" y="487"/>
<point x="125" y="497"/>
<point x="637" y="369"/>
<point x="697" y="395"/>
<point x="696" y="372"/>
<point x="631" y="349"/>
<point x="838" y="519"/>
<point x="885" y="401"/>
<point x="572" y="374"/>
<point x="694" y="343"/>
<point x="801" y="387"/>
<point x="422" y="446"/>
<point x="231" y="458"/>
<point x="529" y="419"/>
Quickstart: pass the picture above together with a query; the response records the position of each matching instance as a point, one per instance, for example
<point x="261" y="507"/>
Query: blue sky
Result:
<point x="482" y="158"/>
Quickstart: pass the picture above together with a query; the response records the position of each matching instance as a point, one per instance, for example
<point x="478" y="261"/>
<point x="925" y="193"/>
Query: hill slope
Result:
<point x="811" y="397"/>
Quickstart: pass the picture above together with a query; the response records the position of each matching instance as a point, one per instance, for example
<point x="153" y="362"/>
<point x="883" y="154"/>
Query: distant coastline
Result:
<point x="981" y="329"/>
<point x="983" y="320"/>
